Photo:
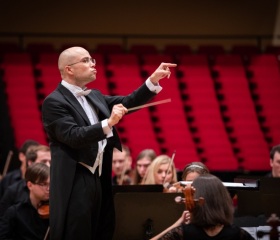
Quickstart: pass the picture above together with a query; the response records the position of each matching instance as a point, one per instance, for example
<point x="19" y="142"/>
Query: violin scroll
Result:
<point x="189" y="200"/>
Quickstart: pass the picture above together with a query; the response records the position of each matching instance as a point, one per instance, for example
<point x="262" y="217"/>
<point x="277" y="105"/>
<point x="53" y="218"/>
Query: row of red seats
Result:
<point x="22" y="99"/>
<point x="210" y="49"/>
<point x="210" y="141"/>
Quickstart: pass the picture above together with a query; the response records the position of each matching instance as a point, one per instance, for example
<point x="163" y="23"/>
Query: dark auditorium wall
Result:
<point x="202" y="17"/>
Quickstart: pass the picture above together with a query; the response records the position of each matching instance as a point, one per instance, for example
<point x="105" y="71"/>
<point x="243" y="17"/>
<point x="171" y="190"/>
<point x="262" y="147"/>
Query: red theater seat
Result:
<point x="206" y="112"/>
<point x="241" y="112"/>
<point x="266" y="77"/>
<point x="138" y="129"/>
<point x="22" y="98"/>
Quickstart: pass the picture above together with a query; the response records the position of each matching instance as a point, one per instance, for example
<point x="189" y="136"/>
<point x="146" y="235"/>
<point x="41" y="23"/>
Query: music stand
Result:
<point x="143" y="215"/>
<point x="270" y="185"/>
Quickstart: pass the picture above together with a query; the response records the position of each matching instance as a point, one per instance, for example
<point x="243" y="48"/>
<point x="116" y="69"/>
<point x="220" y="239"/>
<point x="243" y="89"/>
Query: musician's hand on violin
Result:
<point x="172" y="189"/>
<point x="161" y="72"/>
<point x="186" y="217"/>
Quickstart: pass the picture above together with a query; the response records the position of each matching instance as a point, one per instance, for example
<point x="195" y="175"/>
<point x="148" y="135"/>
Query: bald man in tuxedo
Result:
<point x="80" y="126"/>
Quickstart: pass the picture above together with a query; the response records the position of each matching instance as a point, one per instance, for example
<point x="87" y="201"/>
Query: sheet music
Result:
<point x="253" y="231"/>
<point x="230" y="184"/>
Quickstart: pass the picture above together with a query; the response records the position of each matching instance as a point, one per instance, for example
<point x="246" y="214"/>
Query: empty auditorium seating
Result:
<point x="241" y="112"/>
<point x="206" y="112"/>
<point x="124" y="72"/>
<point x="210" y="50"/>
<point x="72" y="44"/>
<point x="177" y="49"/>
<point x="9" y="47"/>
<point x="40" y="48"/>
<point x="49" y="75"/>
<point x="137" y="127"/>
<point x="272" y="49"/>
<point x="22" y="98"/>
<point x="109" y="48"/>
<point x="266" y="79"/>
<point x="171" y="116"/>
<point x="245" y="50"/>
<point x="143" y="49"/>
<point x="222" y="112"/>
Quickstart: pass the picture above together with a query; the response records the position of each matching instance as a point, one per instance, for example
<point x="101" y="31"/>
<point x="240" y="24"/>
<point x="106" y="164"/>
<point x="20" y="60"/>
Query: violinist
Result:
<point x="162" y="170"/>
<point x="121" y="166"/>
<point x="210" y="220"/>
<point x="143" y="161"/>
<point x="22" y="220"/>
<point x="18" y="191"/>
<point x="17" y="174"/>
<point x="191" y="171"/>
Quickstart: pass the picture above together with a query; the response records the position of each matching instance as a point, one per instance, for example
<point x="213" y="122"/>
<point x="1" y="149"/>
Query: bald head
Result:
<point x="76" y="66"/>
<point x="69" y="56"/>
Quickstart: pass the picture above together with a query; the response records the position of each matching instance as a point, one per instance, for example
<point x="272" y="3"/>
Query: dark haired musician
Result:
<point x="210" y="220"/>
<point x="22" y="221"/>
<point x="275" y="162"/>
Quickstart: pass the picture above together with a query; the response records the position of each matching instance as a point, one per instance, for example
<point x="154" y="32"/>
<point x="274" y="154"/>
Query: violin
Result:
<point x="44" y="210"/>
<point x="189" y="200"/>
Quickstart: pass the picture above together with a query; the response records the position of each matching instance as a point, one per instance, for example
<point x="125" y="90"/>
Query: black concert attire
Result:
<point x="22" y="222"/>
<point x="190" y="231"/>
<point x="9" y="179"/>
<point x="14" y="194"/>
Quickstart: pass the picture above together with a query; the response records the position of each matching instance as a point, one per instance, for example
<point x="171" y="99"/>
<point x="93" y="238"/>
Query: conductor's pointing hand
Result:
<point x="161" y="72"/>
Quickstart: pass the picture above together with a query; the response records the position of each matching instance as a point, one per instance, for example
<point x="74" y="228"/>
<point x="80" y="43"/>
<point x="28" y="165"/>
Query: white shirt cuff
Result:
<point x="106" y="129"/>
<point x="156" y="89"/>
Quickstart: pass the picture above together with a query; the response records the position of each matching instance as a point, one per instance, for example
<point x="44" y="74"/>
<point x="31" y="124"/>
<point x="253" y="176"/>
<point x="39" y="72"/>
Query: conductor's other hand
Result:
<point x="117" y="113"/>
<point x="161" y="72"/>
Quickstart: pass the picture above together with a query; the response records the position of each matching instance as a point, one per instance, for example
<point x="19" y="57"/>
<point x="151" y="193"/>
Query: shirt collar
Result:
<point x="72" y="88"/>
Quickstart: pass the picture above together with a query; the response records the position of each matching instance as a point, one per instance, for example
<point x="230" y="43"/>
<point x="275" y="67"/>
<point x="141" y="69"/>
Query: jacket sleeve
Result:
<point x="63" y="124"/>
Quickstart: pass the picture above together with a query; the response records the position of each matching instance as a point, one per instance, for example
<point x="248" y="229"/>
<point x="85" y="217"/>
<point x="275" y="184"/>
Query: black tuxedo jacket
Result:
<point x="73" y="139"/>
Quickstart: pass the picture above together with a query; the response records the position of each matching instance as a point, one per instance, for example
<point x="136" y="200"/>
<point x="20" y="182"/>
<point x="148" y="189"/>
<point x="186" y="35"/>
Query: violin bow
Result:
<point x="170" y="164"/>
<point x="47" y="234"/>
<point x="7" y="163"/>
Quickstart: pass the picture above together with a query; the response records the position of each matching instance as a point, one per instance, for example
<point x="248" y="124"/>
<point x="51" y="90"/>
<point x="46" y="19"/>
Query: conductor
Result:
<point x="80" y="126"/>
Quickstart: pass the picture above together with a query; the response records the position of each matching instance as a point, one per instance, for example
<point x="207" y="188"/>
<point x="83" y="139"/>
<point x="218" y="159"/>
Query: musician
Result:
<point x="18" y="191"/>
<point x="143" y="161"/>
<point x="191" y="171"/>
<point x="80" y="125"/>
<point x="22" y="221"/>
<point x="161" y="171"/>
<point x="121" y="166"/>
<point x="275" y="162"/>
<point x="17" y="174"/>
<point x="211" y="220"/>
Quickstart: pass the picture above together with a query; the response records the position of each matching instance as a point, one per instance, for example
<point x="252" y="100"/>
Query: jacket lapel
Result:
<point x="98" y="104"/>
<point x="73" y="101"/>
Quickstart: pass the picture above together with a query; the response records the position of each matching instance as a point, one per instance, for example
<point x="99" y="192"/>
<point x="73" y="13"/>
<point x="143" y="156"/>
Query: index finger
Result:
<point x="169" y="64"/>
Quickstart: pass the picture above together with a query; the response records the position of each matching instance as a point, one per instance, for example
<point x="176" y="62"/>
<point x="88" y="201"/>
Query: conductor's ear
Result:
<point x="68" y="70"/>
